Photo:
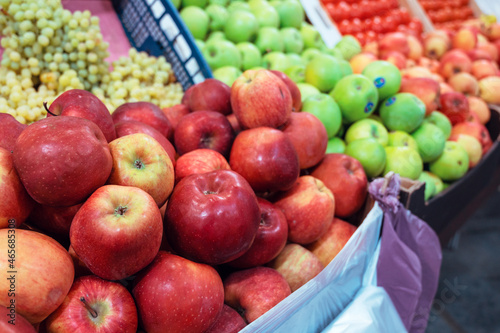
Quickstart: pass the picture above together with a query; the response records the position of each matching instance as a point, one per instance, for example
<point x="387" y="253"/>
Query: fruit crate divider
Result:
<point x="156" y="27"/>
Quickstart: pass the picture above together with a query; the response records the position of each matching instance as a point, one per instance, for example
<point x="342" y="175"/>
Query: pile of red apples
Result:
<point x="196" y="218"/>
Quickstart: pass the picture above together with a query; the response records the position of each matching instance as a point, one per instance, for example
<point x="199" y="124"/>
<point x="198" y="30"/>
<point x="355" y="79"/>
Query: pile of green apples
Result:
<point x="236" y="35"/>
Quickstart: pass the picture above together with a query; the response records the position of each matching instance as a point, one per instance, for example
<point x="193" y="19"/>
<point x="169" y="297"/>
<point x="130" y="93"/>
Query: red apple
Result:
<point x="62" y="160"/>
<point x="10" y="129"/>
<point x="294" y="90"/>
<point x="394" y="41"/>
<point x="130" y="222"/>
<point x="345" y="177"/>
<point x="478" y="54"/>
<point x="255" y="291"/>
<point x="204" y="129"/>
<point x="15" y="202"/>
<point x="13" y="322"/>
<point x="308" y="136"/>
<point x="212" y="95"/>
<point x="199" y="161"/>
<point x="54" y="221"/>
<point x="140" y="161"/>
<point x="93" y="305"/>
<point x="464" y="83"/>
<point x="212" y="217"/>
<point x="234" y="123"/>
<point x="144" y="112"/>
<point x="416" y="48"/>
<point x="297" y="265"/>
<point x="489" y="88"/>
<point x="490" y="49"/>
<point x="260" y="98"/>
<point x="174" y="115"/>
<point x="492" y="31"/>
<point x="453" y="62"/>
<point x="270" y="239"/>
<point x="436" y="43"/>
<point x="178" y="295"/>
<point x="266" y="158"/>
<point x="465" y="39"/>
<point x="228" y="321"/>
<point x="484" y="68"/>
<point x="333" y="241"/>
<point x="479" y="107"/>
<point x="309" y="207"/>
<point x="43" y="273"/>
<point x="472" y="146"/>
<point x="396" y="58"/>
<point x="455" y="106"/>
<point x="187" y="95"/>
<point x="361" y="60"/>
<point x="83" y="104"/>
<point x="474" y="129"/>
<point x="427" y="90"/>
<point x="128" y="127"/>
<point x="80" y="268"/>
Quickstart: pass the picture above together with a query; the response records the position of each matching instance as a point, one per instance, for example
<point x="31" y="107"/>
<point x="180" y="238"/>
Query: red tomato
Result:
<point x="361" y="37"/>
<point x="405" y="16"/>
<point x="377" y="24"/>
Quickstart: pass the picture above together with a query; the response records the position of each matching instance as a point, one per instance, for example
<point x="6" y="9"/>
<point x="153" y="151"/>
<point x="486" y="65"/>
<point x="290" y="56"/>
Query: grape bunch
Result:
<point x="48" y="50"/>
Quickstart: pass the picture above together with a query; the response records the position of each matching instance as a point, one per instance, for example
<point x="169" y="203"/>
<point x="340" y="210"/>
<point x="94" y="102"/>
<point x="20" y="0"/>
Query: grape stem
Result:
<point x="46" y="108"/>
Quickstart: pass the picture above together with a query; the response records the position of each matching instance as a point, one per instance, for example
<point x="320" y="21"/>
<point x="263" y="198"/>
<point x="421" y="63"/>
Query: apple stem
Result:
<point x="92" y="312"/>
<point x="47" y="109"/>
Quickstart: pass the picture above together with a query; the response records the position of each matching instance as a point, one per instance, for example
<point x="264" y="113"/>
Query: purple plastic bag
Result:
<point x="410" y="256"/>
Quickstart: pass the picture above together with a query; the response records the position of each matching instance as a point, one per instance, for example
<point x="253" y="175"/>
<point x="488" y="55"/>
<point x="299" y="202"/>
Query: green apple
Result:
<point x="223" y="3"/>
<point x="250" y="55"/>
<point x="311" y="36"/>
<point x="385" y="76"/>
<point x="197" y="3"/>
<point x="199" y="43"/>
<point x="345" y="67"/>
<point x="452" y="164"/>
<point x="197" y="21"/>
<point x="241" y="26"/>
<point x="438" y="182"/>
<point x="237" y="6"/>
<point x="356" y="96"/>
<point x="227" y="74"/>
<point x="290" y="12"/>
<point x="269" y="40"/>
<point x="309" y="54"/>
<point x="257" y="3"/>
<point x="277" y="61"/>
<point x="367" y="128"/>
<point x="292" y="39"/>
<point x="369" y="153"/>
<point x="176" y="3"/>
<point x="266" y="15"/>
<point x="403" y="111"/>
<point x="220" y="53"/>
<point x="325" y="108"/>
<point x="375" y="117"/>
<point x="323" y="72"/>
<point x="402" y="139"/>
<point x="430" y="185"/>
<point x="430" y="141"/>
<point x="294" y="59"/>
<point x="348" y="46"/>
<point x="440" y="120"/>
<point x="404" y="161"/>
<point x="335" y="145"/>
<point x="216" y="35"/>
<point x="307" y="90"/>
<point x="472" y="146"/>
<point x="218" y="16"/>
<point x="333" y="52"/>
<point x="297" y="73"/>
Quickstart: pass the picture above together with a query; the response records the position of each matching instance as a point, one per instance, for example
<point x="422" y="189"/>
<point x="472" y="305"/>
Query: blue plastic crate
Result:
<point x="155" y="26"/>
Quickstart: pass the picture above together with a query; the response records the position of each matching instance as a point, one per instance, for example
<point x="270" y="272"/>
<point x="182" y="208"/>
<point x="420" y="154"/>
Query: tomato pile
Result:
<point x="447" y="14"/>
<point x="369" y="20"/>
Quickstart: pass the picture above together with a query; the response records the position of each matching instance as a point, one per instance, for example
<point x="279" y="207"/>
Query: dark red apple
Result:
<point x="228" y="321"/>
<point x="212" y="217"/>
<point x="234" y="123"/>
<point x="129" y="221"/>
<point x="10" y="129"/>
<point x="271" y="237"/>
<point x="62" y="160"/>
<point x="54" y="221"/>
<point x="84" y="104"/>
<point x="455" y="106"/>
<point x="174" y="114"/>
<point x="211" y="94"/>
<point x="255" y="291"/>
<point x="345" y="177"/>
<point x="144" y="112"/>
<point x="199" y="161"/>
<point x="308" y="136"/>
<point x="12" y="322"/>
<point x="178" y="295"/>
<point x="128" y="127"/>
<point x="80" y="268"/>
<point x="266" y="158"/>
<point x="187" y="95"/>
<point x="294" y="90"/>
<point x="95" y="305"/>
<point x="204" y="129"/>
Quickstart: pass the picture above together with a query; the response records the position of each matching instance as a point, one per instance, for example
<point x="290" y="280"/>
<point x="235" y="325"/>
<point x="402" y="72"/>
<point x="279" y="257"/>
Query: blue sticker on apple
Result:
<point x="369" y="107"/>
<point x="379" y="82"/>
<point x="390" y="101"/>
